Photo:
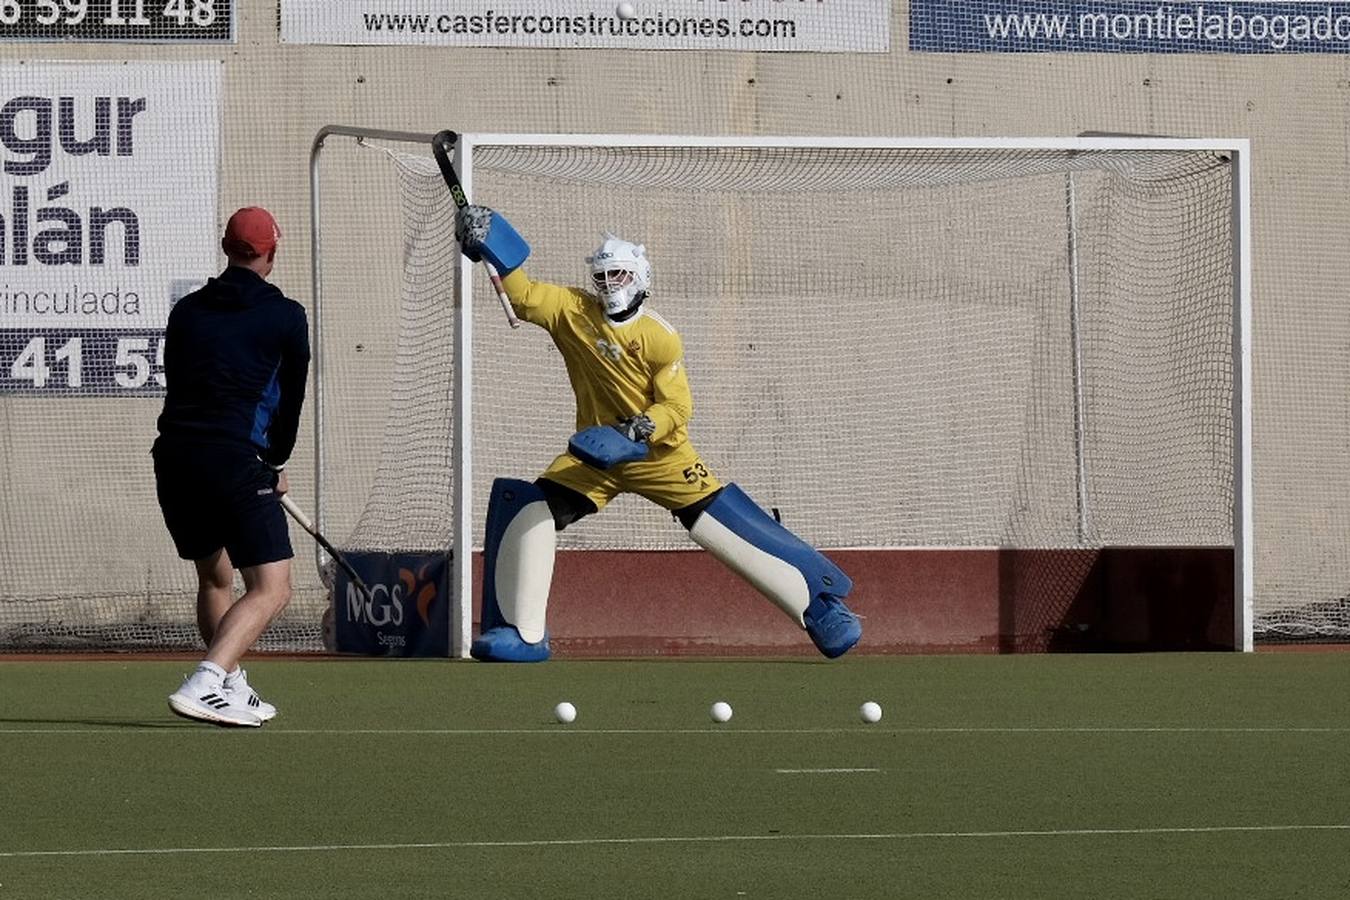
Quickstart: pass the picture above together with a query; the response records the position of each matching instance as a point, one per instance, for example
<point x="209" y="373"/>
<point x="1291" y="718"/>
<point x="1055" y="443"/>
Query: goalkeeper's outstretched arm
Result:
<point x="538" y="301"/>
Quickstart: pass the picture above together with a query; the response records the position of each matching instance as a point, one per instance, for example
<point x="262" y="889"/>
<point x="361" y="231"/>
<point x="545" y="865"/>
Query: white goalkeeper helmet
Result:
<point x="621" y="275"/>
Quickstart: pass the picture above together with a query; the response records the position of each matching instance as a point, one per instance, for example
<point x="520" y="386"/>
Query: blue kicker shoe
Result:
<point x="504" y="644"/>
<point x="832" y="625"/>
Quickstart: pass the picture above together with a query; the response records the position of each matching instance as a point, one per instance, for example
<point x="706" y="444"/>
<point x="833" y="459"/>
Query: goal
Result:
<point x="1018" y="343"/>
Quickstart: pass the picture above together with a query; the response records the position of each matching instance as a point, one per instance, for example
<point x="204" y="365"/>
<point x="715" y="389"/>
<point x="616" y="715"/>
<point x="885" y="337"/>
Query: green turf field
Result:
<point x="1003" y="777"/>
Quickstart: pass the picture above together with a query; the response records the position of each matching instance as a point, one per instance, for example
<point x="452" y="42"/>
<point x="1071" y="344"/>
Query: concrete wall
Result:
<point x="1294" y="109"/>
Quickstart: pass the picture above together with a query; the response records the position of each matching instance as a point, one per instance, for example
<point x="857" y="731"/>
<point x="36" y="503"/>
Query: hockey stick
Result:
<point x="305" y="523"/>
<point x="440" y="147"/>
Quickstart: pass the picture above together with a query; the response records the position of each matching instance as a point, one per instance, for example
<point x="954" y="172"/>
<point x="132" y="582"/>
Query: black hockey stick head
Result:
<point x="346" y="566"/>
<point x="442" y="145"/>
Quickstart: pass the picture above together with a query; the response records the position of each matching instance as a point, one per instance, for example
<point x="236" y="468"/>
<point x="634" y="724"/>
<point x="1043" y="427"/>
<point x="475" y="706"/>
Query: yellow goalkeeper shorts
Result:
<point x="671" y="477"/>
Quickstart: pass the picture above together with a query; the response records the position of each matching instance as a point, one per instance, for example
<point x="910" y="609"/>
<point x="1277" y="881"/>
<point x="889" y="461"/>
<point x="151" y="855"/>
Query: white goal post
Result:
<point x="905" y="342"/>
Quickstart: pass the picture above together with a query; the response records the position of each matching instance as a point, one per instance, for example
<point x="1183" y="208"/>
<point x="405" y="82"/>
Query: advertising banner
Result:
<point x="1066" y="26"/>
<point x="407" y="612"/>
<point x="821" y="26"/>
<point x="108" y="178"/>
<point x="117" y="21"/>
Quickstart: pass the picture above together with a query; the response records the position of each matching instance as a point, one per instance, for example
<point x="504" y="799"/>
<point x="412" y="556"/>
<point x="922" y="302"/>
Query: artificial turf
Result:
<point x="1103" y="776"/>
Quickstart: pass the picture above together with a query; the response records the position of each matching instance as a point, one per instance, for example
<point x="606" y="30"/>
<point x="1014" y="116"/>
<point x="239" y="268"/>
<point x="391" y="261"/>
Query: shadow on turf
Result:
<point x="98" y="723"/>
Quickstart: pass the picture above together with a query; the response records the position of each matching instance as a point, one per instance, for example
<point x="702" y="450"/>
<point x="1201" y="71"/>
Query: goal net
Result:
<point x="958" y="345"/>
<point x="928" y="345"/>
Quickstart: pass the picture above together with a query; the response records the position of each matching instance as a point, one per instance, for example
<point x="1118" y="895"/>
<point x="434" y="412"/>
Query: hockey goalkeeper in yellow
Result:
<point x="626" y="366"/>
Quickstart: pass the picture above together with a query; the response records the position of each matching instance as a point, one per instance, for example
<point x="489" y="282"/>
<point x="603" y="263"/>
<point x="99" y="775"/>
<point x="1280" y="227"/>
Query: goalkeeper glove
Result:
<point x="637" y="428"/>
<point x="471" y="229"/>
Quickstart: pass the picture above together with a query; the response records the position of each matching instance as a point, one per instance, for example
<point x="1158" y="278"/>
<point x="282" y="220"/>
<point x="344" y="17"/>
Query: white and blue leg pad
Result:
<point x="503" y="246"/>
<point x="520" y="545"/>
<point x="781" y="566"/>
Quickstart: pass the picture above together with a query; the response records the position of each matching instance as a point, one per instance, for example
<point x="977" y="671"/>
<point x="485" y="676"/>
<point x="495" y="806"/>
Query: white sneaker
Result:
<point x="240" y="694"/>
<point x="206" y="700"/>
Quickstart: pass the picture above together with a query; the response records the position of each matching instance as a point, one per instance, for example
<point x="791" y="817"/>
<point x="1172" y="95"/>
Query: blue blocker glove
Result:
<point x="484" y="234"/>
<point x="605" y="446"/>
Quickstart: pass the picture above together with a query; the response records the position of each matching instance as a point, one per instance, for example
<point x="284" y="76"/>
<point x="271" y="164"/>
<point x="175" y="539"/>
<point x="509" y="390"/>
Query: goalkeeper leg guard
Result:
<point x="521" y="542"/>
<point x="795" y="576"/>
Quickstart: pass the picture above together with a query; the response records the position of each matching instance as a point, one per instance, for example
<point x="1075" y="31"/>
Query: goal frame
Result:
<point x="461" y="579"/>
<point x="1238" y="149"/>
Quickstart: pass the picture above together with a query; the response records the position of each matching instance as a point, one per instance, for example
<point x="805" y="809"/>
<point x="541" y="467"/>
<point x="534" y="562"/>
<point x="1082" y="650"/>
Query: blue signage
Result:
<point x="120" y="21"/>
<point x="79" y="362"/>
<point x="406" y="613"/>
<point x="1062" y="26"/>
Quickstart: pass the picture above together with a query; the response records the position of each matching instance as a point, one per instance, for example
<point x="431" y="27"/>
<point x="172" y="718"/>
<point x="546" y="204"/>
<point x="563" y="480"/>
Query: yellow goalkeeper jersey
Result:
<point x="616" y="371"/>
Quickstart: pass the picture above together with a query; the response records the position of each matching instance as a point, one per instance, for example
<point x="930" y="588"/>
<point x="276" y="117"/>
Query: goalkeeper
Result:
<point x="633" y="405"/>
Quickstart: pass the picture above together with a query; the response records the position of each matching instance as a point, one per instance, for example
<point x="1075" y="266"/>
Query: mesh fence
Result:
<point x="995" y="383"/>
<point x="80" y="537"/>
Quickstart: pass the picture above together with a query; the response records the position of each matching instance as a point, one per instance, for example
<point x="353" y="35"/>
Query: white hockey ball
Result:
<point x="625" y="10"/>
<point x="870" y="712"/>
<point x="565" y="712"/>
<point x="721" y="711"/>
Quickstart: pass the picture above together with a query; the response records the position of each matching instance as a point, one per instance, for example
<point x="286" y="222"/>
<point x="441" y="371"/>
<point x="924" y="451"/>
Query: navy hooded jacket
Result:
<point x="236" y="356"/>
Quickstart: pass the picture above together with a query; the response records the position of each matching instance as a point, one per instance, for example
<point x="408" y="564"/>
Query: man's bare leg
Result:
<point x="216" y="691"/>
<point x="215" y="592"/>
<point x="267" y="590"/>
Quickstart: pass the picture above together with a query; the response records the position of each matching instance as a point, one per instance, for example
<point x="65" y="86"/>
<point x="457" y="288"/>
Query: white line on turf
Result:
<point x="702" y="839"/>
<point x="175" y="729"/>
<point x="822" y="771"/>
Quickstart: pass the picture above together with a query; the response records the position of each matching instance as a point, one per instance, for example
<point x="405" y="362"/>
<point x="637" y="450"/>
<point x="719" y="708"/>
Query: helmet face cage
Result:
<point x="620" y="272"/>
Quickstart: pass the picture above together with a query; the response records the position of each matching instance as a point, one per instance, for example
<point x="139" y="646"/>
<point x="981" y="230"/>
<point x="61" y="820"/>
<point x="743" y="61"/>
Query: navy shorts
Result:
<point x="216" y="495"/>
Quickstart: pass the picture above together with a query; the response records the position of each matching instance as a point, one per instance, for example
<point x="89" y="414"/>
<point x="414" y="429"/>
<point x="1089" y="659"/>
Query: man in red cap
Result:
<point x="236" y="356"/>
<point x="251" y="233"/>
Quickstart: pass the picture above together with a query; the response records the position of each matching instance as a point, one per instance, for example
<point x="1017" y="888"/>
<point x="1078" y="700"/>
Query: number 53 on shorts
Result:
<point x="695" y="473"/>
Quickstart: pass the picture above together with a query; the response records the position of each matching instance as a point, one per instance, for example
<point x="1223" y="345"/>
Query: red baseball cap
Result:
<point x="251" y="229"/>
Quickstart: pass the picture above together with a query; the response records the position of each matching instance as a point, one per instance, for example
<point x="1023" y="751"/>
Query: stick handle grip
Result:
<point x="307" y="523"/>
<point x="501" y="294"/>
<point x="299" y="515"/>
